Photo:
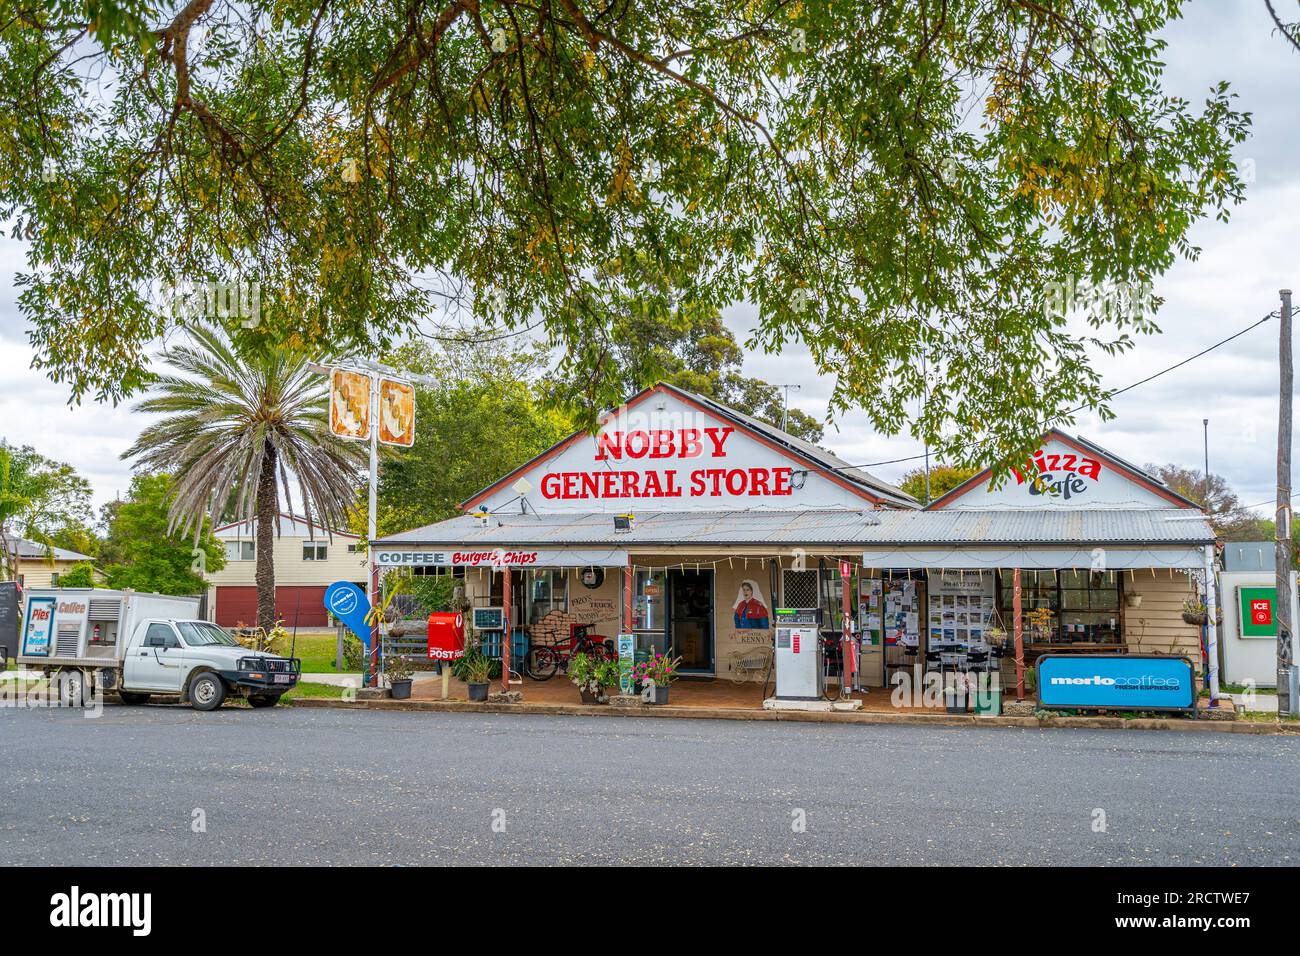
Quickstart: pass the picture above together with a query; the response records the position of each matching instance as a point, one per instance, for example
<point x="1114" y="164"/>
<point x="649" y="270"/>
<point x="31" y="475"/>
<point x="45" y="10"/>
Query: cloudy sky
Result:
<point x="1235" y="282"/>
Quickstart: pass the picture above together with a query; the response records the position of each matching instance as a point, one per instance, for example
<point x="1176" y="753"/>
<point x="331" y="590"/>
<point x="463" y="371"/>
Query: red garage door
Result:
<point x="295" y="606"/>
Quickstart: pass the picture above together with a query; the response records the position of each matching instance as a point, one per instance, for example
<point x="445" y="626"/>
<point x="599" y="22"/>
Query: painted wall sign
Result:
<point x="670" y="455"/>
<point x="38" y="627"/>
<point x="1069" y="475"/>
<point x="1116" y="682"/>
<point x="499" y="558"/>
<point x="1255" y="616"/>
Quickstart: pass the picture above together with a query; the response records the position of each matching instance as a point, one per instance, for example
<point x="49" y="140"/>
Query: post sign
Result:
<point x="1257" y="611"/>
<point x="38" y="627"/>
<point x="1116" y="682"/>
<point x="446" y="636"/>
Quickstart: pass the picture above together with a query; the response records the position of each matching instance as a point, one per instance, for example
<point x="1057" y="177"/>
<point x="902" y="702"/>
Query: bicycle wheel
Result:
<point x="542" y="663"/>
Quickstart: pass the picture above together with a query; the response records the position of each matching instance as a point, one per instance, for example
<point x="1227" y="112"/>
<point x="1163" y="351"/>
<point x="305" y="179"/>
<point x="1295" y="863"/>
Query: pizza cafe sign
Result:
<point x="1062" y="475"/>
<point x="666" y="449"/>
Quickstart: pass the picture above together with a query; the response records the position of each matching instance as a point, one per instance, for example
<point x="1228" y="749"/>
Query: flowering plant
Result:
<point x="592" y="674"/>
<point x="659" y="668"/>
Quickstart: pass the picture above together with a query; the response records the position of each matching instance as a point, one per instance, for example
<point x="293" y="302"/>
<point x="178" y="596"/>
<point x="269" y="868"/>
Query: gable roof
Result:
<point x="31" y="549"/>
<point x="816" y="460"/>
<point x="290" y="521"/>
<point x="1130" y="471"/>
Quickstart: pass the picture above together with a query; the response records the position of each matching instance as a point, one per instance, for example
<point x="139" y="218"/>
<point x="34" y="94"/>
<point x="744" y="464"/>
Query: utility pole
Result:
<point x="1205" y="425"/>
<point x="1286" y="702"/>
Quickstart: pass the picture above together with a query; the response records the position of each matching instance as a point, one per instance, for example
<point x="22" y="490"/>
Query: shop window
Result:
<point x="240" y="550"/>
<point x="801" y="589"/>
<point x="648" y="593"/>
<point x="1084" y="603"/>
<point x="547" y="591"/>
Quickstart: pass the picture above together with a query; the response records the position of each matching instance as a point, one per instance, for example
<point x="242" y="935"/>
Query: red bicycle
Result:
<point x="547" y="660"/>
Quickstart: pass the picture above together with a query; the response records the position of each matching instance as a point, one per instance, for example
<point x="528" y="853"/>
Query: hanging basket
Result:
<point x="1133" y="600"/>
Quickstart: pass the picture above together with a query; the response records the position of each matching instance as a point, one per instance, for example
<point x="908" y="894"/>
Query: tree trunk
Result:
<point x="267" y="520"/>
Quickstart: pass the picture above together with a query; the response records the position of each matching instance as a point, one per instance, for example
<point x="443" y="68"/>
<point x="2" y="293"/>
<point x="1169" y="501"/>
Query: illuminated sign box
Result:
<point x="1256" y="608"/>
<point x="1116" y="682"/>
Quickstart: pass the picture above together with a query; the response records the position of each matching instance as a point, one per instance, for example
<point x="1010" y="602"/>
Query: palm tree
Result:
<point x="238" y="425"/>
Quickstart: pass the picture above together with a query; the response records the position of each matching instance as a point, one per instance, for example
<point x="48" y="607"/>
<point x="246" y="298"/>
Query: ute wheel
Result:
<point x="260" y="700"/>
<point x="207" y="692"/>
<point x="133" y="697"/>
<point x="73" y="687"/>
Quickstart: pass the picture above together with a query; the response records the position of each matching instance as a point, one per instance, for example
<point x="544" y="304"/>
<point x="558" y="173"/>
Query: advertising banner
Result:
<point x="1257" y="604"/>
<point x="39" y="626"/>
<point x="349" y="604"/>
<point x="1116" y="682"/>
<point x="396" y="413"/>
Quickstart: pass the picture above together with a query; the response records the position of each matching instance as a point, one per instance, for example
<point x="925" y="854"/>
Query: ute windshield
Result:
<point x="202" y="634"/>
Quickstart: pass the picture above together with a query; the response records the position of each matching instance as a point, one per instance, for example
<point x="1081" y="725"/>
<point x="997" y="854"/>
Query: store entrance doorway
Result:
<point x="690" y="619"/>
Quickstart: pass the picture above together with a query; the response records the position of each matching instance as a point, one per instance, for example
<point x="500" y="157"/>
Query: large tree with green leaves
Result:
<point x="487" y="415"/>
<point x="39" y="498"/>
<point x="693" y="349"/>
<point x="144" y="550"/>
<point x="237" y="425"/>
<point x="881" y="179"/>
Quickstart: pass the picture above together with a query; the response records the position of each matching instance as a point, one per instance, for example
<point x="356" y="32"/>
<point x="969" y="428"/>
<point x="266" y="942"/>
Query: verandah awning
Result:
<point x="1045" y="559"/>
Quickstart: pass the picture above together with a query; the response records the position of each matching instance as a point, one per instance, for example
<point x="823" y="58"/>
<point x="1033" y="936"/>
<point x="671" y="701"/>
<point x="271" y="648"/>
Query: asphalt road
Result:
<point x="300" y="786"/>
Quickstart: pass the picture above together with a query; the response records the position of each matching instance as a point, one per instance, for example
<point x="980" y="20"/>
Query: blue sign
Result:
<point x="349" y="604"/>
<point x="1116" y="681"/>
<point x="40" y="627"/>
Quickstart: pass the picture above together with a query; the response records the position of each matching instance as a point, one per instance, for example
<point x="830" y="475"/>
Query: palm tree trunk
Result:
<point x="267" y="520"/>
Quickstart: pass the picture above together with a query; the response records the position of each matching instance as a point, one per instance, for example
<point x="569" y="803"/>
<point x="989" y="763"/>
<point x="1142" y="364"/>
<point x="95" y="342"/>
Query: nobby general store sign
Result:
<point x="499" y="558"/>
<point x="664" y="453"/>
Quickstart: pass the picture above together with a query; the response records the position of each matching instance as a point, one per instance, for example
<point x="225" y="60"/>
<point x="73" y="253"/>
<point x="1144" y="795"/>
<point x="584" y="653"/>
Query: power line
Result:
<point x="1108" y="395"/>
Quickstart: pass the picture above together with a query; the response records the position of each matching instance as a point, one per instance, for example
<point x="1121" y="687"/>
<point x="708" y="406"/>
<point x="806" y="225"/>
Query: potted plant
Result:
<point x="656" y="673"/>
<point x="1195" y="612"/>
<point x="591" y="675"/>
<point x="474" y="667"/>
<point x="398" y="671"/>
<point x="1132" y="599"/>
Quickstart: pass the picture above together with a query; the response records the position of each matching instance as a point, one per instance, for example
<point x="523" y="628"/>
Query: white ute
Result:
<point x="141" y="645"/>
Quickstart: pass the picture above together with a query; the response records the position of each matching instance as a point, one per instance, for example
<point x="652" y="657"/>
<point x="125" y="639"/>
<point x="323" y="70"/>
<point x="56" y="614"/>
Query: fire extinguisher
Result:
<point x="94" y="634"/>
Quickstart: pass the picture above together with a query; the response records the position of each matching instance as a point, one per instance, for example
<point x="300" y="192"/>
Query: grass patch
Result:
<point x="316" y="651"/>
<point x="314" y="690"/>
<point x="1266" y="717"/>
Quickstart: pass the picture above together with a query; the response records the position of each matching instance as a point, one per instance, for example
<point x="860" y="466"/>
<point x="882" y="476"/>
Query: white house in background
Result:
<point x="307" y="560"/>
<point x="39" y="566"/>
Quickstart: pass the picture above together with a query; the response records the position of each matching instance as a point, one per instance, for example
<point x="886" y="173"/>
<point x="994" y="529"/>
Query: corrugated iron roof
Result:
<point x="814" y="527"/>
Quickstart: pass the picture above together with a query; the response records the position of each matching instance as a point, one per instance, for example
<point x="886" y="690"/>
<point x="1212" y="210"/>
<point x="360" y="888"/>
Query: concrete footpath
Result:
<point x="857" y="717"/>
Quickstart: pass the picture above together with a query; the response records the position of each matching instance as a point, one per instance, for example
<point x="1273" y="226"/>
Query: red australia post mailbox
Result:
<point x="446" y="636"/>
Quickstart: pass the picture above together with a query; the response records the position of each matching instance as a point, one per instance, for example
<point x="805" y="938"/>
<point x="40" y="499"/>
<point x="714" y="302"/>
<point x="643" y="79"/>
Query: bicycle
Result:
<point x="547" y="660"/>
